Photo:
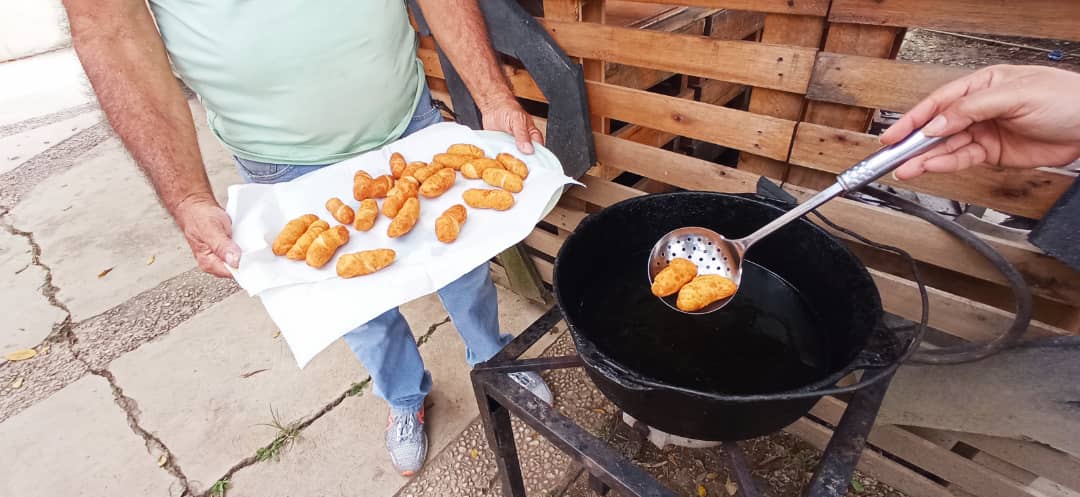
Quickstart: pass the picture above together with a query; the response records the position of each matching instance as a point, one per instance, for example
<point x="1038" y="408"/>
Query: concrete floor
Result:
<point x="153" y="378"/>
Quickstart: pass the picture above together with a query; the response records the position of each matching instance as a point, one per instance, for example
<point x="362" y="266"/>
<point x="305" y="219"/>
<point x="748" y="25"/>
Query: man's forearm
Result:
<point x="458" y="26"/>
<point x="125" y="60"/>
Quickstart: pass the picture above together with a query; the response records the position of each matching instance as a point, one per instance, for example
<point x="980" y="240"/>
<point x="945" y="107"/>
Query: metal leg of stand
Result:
<point x="738" y="465"/>
<point x="833" y="474"/>
<point x="500" y="437"/>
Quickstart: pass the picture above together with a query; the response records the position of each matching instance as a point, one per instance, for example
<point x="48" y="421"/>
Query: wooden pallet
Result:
<point x="817" y="71"/>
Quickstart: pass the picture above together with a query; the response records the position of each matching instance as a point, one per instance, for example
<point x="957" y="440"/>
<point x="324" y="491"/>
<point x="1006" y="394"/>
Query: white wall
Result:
<point x="29" y="27"/>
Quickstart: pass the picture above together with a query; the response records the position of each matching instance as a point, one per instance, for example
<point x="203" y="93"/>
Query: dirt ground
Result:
<point x="927" y="46"/>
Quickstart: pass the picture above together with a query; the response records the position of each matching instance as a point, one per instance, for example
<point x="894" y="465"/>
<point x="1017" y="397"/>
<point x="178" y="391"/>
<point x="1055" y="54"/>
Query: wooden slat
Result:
<point x="803" y="7"/>
<point x="544" y="241"/>
<point x="855" y="39"/>
<point x="1047" y="276"/>
<point x="930" y="457"/>
<point x="545" y="268"/>
<point x="953" y="314"/>
<point x="565" y="218"/>
<point x="1032" y="456"/>
<point x="893" y="473"/>
<point x="876" y="83"/>
<point x="763" y="135"/>
<point x="1036" y="18"/>
<point x="805" y="31"/>
<point x="757" y="64"/>
<point x="1027" y="192"/>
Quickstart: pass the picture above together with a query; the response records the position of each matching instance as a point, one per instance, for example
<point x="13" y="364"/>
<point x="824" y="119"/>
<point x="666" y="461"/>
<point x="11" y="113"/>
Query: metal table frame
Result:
<point x="498" y="397"/>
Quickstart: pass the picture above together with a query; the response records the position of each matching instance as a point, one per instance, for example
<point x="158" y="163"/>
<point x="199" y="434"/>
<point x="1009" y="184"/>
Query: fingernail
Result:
<point x="893" y="174"/>
<point x="232" y="259"/>
<point x="935" y="126"/>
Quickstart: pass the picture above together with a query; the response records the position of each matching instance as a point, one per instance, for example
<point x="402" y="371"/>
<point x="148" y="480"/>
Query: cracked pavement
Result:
<point x="150" y="377"/>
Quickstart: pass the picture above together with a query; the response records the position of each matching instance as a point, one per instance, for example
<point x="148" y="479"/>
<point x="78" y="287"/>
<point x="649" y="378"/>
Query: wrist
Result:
<point x="495" y="99"/>
<point x="190" y="200"/>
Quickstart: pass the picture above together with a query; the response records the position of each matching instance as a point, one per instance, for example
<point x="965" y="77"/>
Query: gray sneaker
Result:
<point x="406" y="441"/>
<point x="533" y="383"/>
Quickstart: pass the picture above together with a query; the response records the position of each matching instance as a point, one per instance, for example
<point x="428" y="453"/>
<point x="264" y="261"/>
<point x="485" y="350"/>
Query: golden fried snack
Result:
<point x="343" y="213"/>
<point x="405" y="219"/>
<point x="299" y="249"/>
<point x="474" y="169"/>
<point x="499" y="200"/>
<point x="453" y="161"/>
<point x="381" y="186"/>
<point x="503" y="179"/>
<point x="425" y="172"/>
<point x="397" y="164"/>
<point x="704" y="290"/>
<point x="513" y="164"/>
<point x="438" y="183"/>
<point x="366" y="215"/>
<point x="325" y="245"/>
<point x="411" y="168"/>
<point x="365" y="262"/>
<point x="465" y="149"/>
<point x="448" y="225"/>
<point x="292" y="232"/>
<point x="404" y="189"/>
<point x="676" y="275"/>
<point x="362" y="185"/>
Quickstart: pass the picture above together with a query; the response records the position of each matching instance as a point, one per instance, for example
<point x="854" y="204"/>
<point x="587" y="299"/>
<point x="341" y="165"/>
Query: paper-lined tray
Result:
<point x="314" y="307"/>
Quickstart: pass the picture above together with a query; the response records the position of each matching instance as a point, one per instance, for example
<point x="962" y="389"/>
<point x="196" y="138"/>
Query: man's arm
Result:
<point x="458" y="27"/>
<point x="124" y="58"/>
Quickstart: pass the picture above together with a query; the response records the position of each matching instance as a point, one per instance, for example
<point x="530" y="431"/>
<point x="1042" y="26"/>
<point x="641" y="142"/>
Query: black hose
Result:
<point x="1021" y="292"/>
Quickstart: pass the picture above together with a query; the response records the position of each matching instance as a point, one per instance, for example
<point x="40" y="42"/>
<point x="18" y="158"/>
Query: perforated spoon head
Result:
<point x="709" y="250"/>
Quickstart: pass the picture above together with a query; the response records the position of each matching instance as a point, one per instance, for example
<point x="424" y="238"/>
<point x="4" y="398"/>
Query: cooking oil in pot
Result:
<point x="766" y="340"/>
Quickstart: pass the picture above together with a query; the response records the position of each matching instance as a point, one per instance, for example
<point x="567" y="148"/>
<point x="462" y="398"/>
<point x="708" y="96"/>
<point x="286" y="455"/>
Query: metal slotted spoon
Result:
<point x="715" y="254"/>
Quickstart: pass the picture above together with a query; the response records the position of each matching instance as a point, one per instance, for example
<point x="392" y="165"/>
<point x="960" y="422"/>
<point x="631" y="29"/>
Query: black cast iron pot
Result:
<point x="800" y="321"/>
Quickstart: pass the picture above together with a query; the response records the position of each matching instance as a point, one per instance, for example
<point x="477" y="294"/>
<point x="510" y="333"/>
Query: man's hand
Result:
<point x="458" y="26"/>
<point x="1012" y="116"/>
<point x="508" y="116"/>
<point x="208" y="231"/>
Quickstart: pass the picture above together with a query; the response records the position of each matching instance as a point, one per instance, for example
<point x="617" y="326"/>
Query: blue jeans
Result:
<point x="385" y="345"/>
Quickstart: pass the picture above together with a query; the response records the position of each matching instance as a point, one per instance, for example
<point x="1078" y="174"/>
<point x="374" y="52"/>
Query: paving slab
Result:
<point x="20" y="289"/>
<point x="41" y="85"/>
<point x="22" y="146"/>
<point x="78" y="443"/>
<point x="100" y="214"/>
<point x="342" y="453"/>
<point x="208" y="387"/>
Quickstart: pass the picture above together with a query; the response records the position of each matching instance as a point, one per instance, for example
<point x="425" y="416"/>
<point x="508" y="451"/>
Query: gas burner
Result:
<point x="662" y="439"/>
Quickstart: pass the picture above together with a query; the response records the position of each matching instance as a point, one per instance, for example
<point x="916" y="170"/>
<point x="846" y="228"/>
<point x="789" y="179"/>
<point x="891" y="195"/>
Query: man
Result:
<point x="290" y="86"/>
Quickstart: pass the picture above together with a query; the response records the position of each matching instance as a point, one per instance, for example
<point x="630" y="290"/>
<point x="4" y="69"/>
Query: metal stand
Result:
<point x="498" y="397"/>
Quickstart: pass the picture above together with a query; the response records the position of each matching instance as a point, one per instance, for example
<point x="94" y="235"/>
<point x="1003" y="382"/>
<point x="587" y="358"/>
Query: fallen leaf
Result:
<point x="17" y="383"/>
<point x="473" y="453"/>
<point x="20" y="355"/>
<point x="104" y="272"/>
<point x="701" y="491"/>
<point x="162" y="460"/>
<point x="711" y="476"/>
<point x="599" y="411"/>
<point x="857" y="485"/>
<point x="150" y="260"/>
<point x="731" y="487"/>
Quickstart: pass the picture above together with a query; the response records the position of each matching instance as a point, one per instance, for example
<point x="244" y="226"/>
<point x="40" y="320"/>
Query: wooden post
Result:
<point x="787" y="29"/>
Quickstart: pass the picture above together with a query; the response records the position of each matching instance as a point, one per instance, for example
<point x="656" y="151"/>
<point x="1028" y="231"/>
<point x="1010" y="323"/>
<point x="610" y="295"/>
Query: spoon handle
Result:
<point x="885" y="160"/>
<point x="867" y="170"/>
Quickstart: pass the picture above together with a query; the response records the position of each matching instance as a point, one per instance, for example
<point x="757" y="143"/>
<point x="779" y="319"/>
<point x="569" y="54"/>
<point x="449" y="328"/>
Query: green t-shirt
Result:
<point x="295" y="81"/>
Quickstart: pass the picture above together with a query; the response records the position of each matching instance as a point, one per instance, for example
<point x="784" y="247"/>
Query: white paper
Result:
<point x="314" y="307"/>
